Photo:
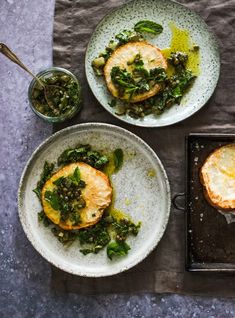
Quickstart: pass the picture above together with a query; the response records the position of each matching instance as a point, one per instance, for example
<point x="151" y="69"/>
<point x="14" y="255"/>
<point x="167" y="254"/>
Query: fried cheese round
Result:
<point x="97" y="194"/>
<point x="218" y="178"/>
<point x="150" y="55"/>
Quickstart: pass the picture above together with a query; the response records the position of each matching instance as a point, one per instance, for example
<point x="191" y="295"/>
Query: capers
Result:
<point x="81" y="203"/>
<point x="119" y="238"/>
<point x="36" y="93"/>
<point x="98" y="62"/>
<point x="52" y="80"/>
<point x="63" y="99"/>
<point x="82" y="184"/>
<point x="112" y="45"/>
<point x="178" y="58"/>
<point x="67" y="182"/>
<point x="65" y="78"/>
<point x="69" y="194"/>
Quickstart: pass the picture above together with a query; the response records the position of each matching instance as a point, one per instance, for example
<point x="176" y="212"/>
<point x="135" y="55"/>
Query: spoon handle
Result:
<point x="9" y="54"/>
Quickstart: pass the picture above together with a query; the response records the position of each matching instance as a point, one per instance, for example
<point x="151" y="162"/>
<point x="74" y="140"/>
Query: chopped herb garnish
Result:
<point x="137" y="82"/>
<point x="64" y="237"/>
<point x="173" y="92"/>
<point x="96" y="236"/>
<point x="173" y="89"/>
<point x="125" y="227"/>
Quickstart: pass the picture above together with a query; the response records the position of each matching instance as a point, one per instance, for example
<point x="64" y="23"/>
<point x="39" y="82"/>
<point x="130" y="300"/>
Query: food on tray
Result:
<point x="65" y="98"/>
<point x="142" y="78"/>
<point x="218" y="178"/>
<point x="77" y="201"/>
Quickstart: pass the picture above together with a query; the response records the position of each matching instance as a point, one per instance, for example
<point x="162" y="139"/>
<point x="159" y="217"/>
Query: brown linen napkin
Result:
<point x="163" y="271"/>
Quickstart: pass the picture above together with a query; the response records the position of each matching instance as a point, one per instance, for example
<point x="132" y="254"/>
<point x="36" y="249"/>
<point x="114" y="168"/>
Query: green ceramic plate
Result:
<point x="163" y="12"/>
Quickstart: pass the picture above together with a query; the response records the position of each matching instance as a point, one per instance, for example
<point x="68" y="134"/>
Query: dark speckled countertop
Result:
<point x="25" y="291"/>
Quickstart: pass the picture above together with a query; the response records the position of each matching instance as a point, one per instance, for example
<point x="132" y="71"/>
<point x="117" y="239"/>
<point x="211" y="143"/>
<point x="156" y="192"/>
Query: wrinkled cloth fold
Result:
<point x="163" y="270"/>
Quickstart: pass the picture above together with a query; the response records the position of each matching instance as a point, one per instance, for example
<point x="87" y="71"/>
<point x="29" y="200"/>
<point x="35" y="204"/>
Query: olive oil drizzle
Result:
<point x="181" y="41"/>
<point x="117" y="214"/>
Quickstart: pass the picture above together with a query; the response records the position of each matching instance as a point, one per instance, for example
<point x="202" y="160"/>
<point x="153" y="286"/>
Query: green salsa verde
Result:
<point x="63" y="99"/>
<point x="114" y="227"/>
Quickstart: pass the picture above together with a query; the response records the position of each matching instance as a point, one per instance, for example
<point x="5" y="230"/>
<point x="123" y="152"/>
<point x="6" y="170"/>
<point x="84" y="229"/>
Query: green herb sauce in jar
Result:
<point x="65" y="99"/>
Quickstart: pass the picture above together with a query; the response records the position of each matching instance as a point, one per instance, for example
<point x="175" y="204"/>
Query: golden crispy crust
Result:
<point x="213" y="198"/>
<point x="97" y="193"/>
<point x="150" y="54"/>
<point x="209" y="200"/>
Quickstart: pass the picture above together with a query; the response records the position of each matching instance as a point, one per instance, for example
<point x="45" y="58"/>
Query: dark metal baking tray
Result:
<point x="210" y="240"/>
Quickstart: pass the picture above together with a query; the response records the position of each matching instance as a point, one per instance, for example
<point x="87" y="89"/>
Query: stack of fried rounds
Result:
<point x="218" y="178"/>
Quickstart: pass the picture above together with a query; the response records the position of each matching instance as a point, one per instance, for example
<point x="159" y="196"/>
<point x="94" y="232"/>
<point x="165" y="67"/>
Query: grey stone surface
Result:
<point x="25" y="287"/>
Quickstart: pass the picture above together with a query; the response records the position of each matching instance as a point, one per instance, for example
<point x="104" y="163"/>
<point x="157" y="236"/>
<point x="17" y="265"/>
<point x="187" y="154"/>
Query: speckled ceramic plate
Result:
<point x="141" y="187"/>
<point x="163" y="12"/>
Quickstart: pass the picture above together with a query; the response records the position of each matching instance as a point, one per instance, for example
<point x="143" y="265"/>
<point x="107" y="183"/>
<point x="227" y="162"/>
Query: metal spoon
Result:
<point x="50" y="91"/>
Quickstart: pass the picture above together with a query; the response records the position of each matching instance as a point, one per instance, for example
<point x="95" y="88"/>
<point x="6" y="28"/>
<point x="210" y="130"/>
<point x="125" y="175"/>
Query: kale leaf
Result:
<point x="44" y="219"/>
<point x="118" y="158"/>
<point x="83" y="153"/>
<point x="46" y="174"/>
<point x="97" y="237"/>
<point x="54" y="200"/>
<point x="117" y="249"/>
<point x="137" y="82"/>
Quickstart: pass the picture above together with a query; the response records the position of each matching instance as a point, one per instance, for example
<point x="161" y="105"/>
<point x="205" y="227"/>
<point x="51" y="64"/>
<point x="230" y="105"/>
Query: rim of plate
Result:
<point x="139" y="124"/>
<point x="85" y="126"/>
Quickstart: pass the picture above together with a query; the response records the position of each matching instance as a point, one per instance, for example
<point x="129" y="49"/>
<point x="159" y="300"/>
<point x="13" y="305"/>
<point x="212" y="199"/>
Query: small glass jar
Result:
<point x="49" y="72"/>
